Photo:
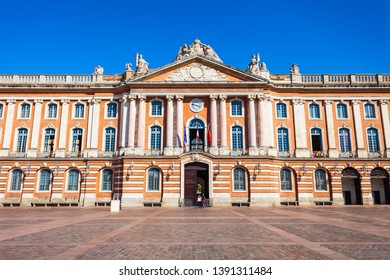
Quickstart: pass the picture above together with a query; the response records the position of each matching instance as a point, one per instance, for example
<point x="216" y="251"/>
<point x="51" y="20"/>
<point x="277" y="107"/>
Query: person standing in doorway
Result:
<point x="199" y="201"/>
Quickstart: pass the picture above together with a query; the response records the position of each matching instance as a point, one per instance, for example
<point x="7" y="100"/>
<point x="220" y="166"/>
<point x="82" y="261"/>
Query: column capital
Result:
<point x="38" y="101"/>
<point x="11" y="101"/>
<point x="96" y="101"/>
<point x="213" y="96"/>
<point x="265" y="97"/>
<point x="65" y="101"/>
<point x="179" y="97"/>
<point x="328" y="102"/>
<point x="298" y="102"/>
<point x="132" y="97"/>
<point x="170" y="97"/>
<point x="223" y="97"/>
<point x="142" y="97"/>
<point x="123" y="99"/>
<point x="383" y="101"/>
<point x="251" y="97"/>
<point x="355" y="102"/>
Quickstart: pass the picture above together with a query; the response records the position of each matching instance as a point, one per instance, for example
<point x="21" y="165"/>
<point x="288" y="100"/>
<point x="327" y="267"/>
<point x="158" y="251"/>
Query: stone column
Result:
<point x="300" y="129"/>
<point x="332" y="149"/>
<point x="89" y="127"/>
<point x="61" y="152"/>
<point x="123" y="123"/>
<point x="4" y="151"/>
<point x="253" y="150"/>
<point x="132" y="118"/>
<point x="223" y="149"/>
<point x="386" y="125"/>
<point x="266" y="125"/>
<point x="93" y="130"/>
<point x="33" y="151"/>
<point x="214" y="124"/>
<point x="168" y="150"/>
<point x="179" y="123"/>
<point x="361" y="151"/>
<point x="141" y="125"/>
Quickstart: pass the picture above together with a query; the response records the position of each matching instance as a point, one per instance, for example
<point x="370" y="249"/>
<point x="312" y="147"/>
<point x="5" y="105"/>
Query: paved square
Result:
<point x="322" y="232"/>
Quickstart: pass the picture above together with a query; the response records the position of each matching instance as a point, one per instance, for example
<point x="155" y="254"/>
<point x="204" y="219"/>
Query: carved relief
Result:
<point x="196" y="72"/>
<point x="196" y="157"/>
<point x="197" y="48"/>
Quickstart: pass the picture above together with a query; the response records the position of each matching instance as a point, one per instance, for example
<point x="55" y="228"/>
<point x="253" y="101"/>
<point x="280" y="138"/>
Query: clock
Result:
<point x="196" y="105"/>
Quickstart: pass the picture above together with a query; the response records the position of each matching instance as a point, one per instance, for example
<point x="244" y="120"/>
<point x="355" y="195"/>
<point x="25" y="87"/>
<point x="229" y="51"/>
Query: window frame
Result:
<point x="12" y="180"/>
<point x="108" y="110"/>
<point x="232" y="106"/>
<point x="68" y="174"/>
<point x="290" y="181"/>
<point x="149" y="182"/>
<point x="242" y="179"/>
<point x="49" y="111"/>
<point x="338" y="108"/>
<point x="76" y="110"/>
<point x="284" y="105"/>
<point x="287" y="138"/>
<point x="111" y="142"/>
<point x="313" y="112"/>
<point x="370" y="142"/>
<point x="152" y="138"/>
<point x="39" y="189"/>
<point x="103" y="183"/>
<point x="21" y="144"/>
<point x="2" y="109"/>
<point x="349" y="139"/>
<point x="367" y="113"/>
<point x="22" y="112"/>
<point x="151" y="108"/>
<point x="235" y="138"/>
<point x="316" y="182"/>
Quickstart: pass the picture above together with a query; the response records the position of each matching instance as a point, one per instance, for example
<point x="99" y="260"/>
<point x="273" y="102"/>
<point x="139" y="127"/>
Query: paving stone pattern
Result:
<point x="278" y="233"/>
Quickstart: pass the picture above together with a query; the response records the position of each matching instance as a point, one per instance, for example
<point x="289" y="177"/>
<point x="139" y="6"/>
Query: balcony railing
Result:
<point x="286" y="153"/>
<point x="319" y="154"/>
<point x="153" y="152"/>
<point x="106" y="154"/>
<point x="238" y="152"/>
<point x="377" y="154"/>
<point x="74" y="154"/>
<point x="46" y="154"/>
<point x="17" y="154"/>
<point x="350" y="154"/>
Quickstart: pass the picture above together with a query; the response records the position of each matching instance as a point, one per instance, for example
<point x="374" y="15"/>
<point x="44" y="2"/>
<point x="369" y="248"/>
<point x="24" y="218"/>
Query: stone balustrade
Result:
<point x="350" y="79"/>
<point x="56" y="79"/>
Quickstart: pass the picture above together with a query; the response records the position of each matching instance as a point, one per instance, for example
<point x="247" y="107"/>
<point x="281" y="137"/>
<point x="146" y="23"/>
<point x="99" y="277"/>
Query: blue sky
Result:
<point x="74" y="36"/>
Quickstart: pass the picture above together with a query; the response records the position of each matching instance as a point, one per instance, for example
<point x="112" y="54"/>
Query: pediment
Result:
<point x="196" y="69"/>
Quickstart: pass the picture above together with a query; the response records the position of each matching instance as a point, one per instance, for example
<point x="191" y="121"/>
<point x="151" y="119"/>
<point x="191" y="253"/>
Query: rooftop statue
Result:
<point x="263" y="67"/>
<point x="253" y="66"/>
<point x="98" y="70"/>
<point x="128" y="67"/>
<point x="197" y="48"/>
<point x="294" y="69"/>
<point x="141" y="65"/>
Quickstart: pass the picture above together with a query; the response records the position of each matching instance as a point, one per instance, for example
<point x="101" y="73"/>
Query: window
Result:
<point x="239" y="179"/>
<point x="373" y="140"/>
<point x="283" y="145"/>
<point x="285" y="180"/>
<point x="345" y="142"/>
<point x="77" y="136"/>
<point x="281" y="110"/>
<point x="73" y="180"/>
<point x="48" y="143"/>
<point x="79" y="110"/>
<point x="25" y="110"/>
<point x="1" y="110"/>
<point x="314" y="111"/>
<point x="369" y="110"/>
<point x="320" y="177"/>
<point x="236" y="108"/>
<point x="316" y="139"/>
<point x="22" y="140"/>
<point x="111" y="110"/>
<point x="16" y="180"/>
<point x="107" y="180"/>
<point x="156" y="108"/>
<point x="153" y="179"/>
<point x="110" y="139"/>
<point x="52" y="111"/>
<point x="155" y="138"/>
<point x="44" y="180"/>
<point x="237" y="141"/>
<point x="342" y="112"/>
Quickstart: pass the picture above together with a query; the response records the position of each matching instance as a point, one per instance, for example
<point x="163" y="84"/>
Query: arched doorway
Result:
<point x="196" y="129"/>
<point x="380" y="186"/>
<point x="352" y="191"/>
<point x="196" y="182"/>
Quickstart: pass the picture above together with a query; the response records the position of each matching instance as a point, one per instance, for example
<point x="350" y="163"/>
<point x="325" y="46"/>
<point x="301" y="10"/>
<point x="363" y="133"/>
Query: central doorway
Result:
<point x="196" y="182"/>
<point x="351" y="188"/>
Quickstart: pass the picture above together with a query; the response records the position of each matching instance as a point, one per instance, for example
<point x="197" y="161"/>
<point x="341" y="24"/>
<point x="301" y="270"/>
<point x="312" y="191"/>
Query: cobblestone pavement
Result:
<point x="322" y="232"/>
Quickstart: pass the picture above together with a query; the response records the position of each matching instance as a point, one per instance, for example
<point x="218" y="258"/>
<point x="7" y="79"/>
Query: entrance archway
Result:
<point x="352" y="191"/>
<point x="380" y="186"/>
<point x="196" y="182"/>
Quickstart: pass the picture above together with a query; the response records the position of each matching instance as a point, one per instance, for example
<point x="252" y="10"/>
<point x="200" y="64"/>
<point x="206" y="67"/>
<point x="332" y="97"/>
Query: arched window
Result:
<point x="155" y="138"/>
<point x="22" y="140"/>
<point x="285" y="179"/>
<point x="16" y="180"/>
<point x="48" y="143"/>
<point x="320" y="177"/>
<point x="236" y="108"/>
<point x="239" y="179"/>
<point x="342" y="112"/>
<point x="373" y="140"/>
<point x="153" y="179"/>
<point x="281" y="110"/>
<point x="25" y="110"/>
<point x="369" y="111"/>
<point x="110" y="139"/>
<point x="1" y="110"/>
<point x="345" y="140"/>
<point x="111" y="110"/>
<point x="316" y="139"/>
<point x="107" y="180"/>
<point x="77" y="136"/>
<point x="73" y="180"/>
<point x="52" y="110"/>
<point x="156" y="108"/>
<point x="237" y="139"/>
<point x="79" y="110"/>
<point x="44" y="180"/>
<point x="283" y="145"/>
<point x="314" y="111"/>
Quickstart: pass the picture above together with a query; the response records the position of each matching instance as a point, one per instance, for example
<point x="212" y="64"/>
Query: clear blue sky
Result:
<point x="74" y="36"/>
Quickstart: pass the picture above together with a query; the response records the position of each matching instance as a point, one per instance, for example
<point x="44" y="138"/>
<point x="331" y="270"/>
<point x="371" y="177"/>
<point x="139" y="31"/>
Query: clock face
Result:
<point x="196" y="105"/>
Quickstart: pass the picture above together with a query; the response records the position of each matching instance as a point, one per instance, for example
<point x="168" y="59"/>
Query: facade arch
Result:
<point x="351" y="186"/>
<point x="380" y="191"/>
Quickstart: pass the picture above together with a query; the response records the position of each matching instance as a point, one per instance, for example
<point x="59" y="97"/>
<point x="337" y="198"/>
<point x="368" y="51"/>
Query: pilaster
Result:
<point x="357" y="119"/>
<point x="223" y="149"/>
<point x="253" y="150"/>
<point x="63" y="128"/>
<point x="386" y="125"/>
<point x="332" y="152"/>
<point x="214" y="124"/>
<point x="168" y="150"/>
<point x="4" y="152"/>
<point x="140" y="150"/>
<point x="300" y="129"/>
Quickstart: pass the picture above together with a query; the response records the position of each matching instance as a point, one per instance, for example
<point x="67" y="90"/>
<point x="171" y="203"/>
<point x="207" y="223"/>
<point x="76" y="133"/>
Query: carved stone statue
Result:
<point x="197" y="48"/>
<point x="128" y="67"/>
<point x="294" y="69"/>
<point x="98" y="70"/>
<point x="253" y="66"/>
<point x="263" y="67"/>
<point x="141" y="65"/>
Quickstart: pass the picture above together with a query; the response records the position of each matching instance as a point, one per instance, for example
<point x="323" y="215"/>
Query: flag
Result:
<point x="197" y="133"/>
<point x="185" y="137"/>
<point x="209" y="137"/>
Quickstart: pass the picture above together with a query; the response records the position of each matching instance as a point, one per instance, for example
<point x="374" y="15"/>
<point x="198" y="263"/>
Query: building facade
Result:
<point x="161" y="137"/>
